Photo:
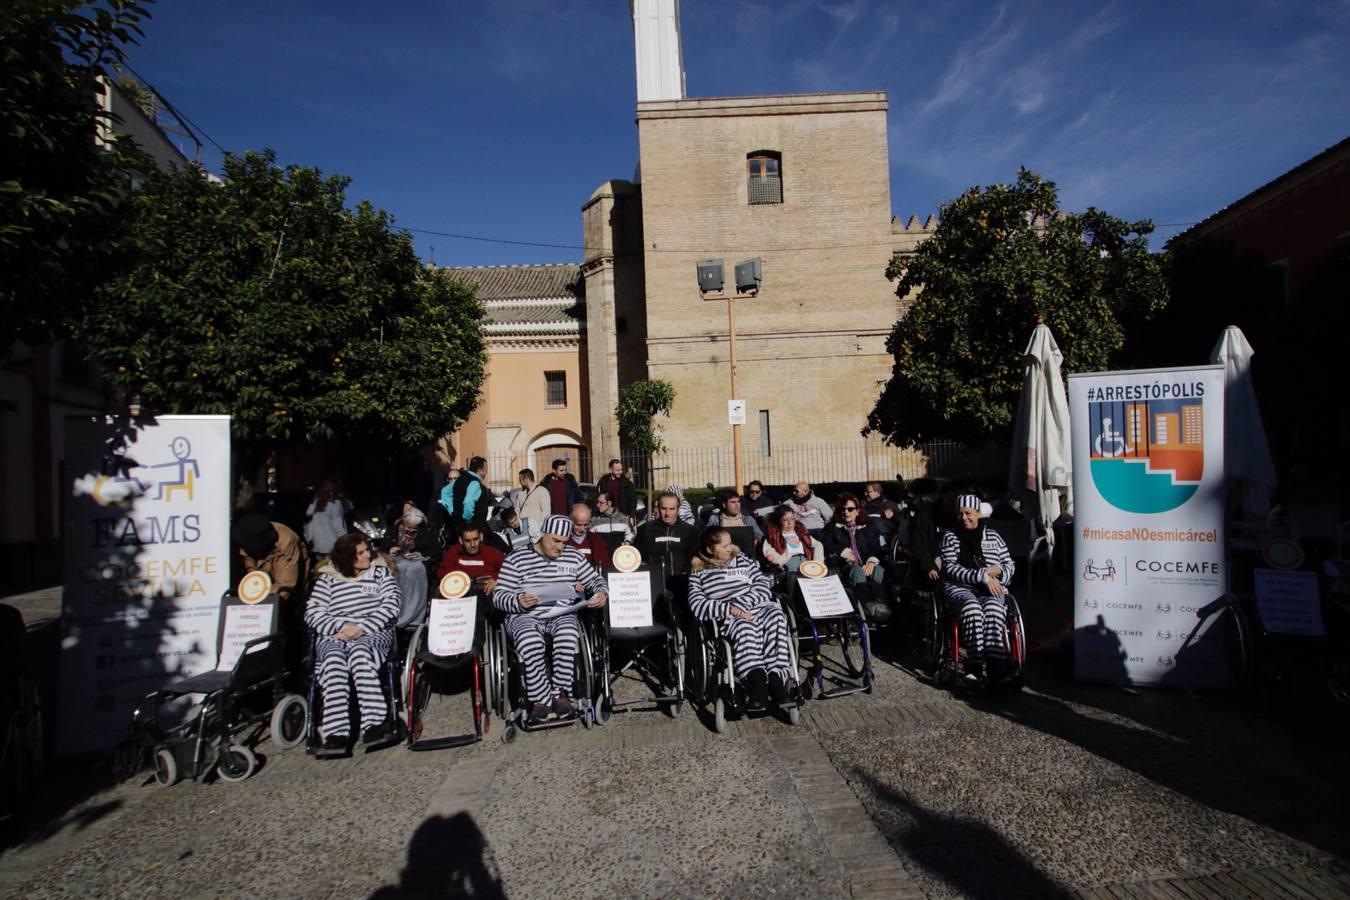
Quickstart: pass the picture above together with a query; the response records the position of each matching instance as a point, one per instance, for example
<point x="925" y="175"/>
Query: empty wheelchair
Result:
<point x="426" y="671"/>
<point x="825" y="612"/>
<point x="652" y="654"/>
<point x="945" y="660"/>
<point x="243" y="694"/>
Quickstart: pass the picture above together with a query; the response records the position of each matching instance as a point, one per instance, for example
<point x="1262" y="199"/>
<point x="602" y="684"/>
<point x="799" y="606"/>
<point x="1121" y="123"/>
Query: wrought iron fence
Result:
<point x="861" y="460"/>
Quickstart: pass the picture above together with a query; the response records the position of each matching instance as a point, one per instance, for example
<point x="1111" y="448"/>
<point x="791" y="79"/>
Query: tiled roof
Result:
<point x="523" y="282"/>
<point x="1265" y="192"/>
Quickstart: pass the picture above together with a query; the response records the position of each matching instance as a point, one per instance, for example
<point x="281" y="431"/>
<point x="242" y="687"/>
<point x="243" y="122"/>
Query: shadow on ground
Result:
<point x="967" y="856"/>
<point x="447" y="857"/>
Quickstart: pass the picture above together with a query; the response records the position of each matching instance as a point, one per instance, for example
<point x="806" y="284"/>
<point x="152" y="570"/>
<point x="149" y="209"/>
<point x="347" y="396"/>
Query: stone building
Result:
<point x="800" y="182"/>
<point x="535" y="397"/>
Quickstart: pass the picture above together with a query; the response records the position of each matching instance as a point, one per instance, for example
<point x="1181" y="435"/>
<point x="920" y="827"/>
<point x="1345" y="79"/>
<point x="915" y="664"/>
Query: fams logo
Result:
<point x="1147" y="444"/>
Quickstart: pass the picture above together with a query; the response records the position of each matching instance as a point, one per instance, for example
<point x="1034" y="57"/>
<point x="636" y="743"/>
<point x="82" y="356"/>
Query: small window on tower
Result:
<point x="764" y="171"/>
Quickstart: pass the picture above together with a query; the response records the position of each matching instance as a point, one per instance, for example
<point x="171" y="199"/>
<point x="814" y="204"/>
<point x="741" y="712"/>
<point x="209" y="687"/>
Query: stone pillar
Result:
<point x="616" y="325"/>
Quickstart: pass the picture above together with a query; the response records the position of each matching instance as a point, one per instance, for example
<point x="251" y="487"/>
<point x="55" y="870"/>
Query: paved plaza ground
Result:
<point x="912" y="791"/>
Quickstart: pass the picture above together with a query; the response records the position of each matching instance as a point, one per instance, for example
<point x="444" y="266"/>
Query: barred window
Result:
<point x="555" y="384"/>
<point x="764" y="171"/>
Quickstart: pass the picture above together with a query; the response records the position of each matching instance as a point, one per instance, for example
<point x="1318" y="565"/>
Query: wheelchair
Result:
<point x="424" y="672"/>
<point x="389" y="684"/>
<point x="713" y="680"/>
<point x="236" y="700"/>
<point x="654" y="653"/>
<point x="850" y="633"/>
<point x="942" y="645"/>
<point x="506" y="677"/>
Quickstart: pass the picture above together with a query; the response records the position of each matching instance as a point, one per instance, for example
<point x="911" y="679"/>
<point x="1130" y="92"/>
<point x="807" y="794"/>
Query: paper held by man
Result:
<point x="554" y="600"/>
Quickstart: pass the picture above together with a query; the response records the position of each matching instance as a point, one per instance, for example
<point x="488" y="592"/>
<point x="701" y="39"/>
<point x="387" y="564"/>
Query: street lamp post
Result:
<point x="711" y="281"/>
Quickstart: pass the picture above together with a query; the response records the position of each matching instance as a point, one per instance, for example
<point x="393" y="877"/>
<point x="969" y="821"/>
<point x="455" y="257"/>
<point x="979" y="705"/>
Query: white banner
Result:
<point x="1148" y="525"/>
<point x="241" y="623"/>
<point x="147" y="544"/>
<point x="1289" y="602"/>
<point x="630" y="599"/>
<point x="825" y="597"/>
<point x="451" y="625"/>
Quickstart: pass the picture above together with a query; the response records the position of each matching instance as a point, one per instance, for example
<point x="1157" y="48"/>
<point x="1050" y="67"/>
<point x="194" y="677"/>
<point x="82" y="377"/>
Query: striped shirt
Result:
<point x="526" y="569"/>
<point x="993" y="550"/>
<point x="370" y="601"/>
<point x="713" y="589"/>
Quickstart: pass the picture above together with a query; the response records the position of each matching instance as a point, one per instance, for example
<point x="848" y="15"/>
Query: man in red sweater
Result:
<point x="587" y="541"/>
<point x="475" y="558"/>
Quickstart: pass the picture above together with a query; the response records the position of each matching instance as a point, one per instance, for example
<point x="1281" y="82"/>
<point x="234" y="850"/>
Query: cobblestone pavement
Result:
<point x="907" y="792"/>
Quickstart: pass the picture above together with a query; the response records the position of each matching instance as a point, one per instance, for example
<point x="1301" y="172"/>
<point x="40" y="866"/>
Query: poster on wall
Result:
<point x="146" y="532"/>
<point x="1148" y="525"/>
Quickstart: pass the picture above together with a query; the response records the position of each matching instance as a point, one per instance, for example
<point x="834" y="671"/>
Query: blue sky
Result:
<point x="499" y="119"/>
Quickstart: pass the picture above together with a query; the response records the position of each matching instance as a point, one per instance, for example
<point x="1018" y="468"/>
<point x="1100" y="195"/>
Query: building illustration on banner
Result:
<point x="1148" y="456"/>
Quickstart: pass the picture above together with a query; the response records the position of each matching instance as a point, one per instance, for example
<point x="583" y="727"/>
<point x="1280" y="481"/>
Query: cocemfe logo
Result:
<point x="1177" y="566"/>
<point x="1166" y="661"/>
<point x="1091" y="604"/>
<point x="1147" y="443"/>
<point x="1163" y="608"/>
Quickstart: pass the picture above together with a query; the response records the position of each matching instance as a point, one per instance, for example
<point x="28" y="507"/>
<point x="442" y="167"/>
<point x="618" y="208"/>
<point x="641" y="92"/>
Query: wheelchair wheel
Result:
<point x="720" y="715"/>
<point x="1017" y="645"/>
<point x="166" y="767"/>
<point x="236" y="763"/>
<point x="700" y="678"/>
<point x="932" y="632"/>
<point x="290" y="722"/>
<point x="794" y="714"/>
<point x="850" y="646"/>
<point x="501" y="675"/>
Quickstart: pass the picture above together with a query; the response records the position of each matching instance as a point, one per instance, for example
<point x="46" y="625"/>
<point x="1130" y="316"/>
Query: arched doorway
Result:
<point x="559" y="443"/>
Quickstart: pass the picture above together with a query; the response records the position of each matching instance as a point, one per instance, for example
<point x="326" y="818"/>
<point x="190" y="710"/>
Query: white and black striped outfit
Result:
<point x="526" y="569"/>
<point x="981" y="613"/>
<point x="370" y="600"/>
<point x="760" y="642"/>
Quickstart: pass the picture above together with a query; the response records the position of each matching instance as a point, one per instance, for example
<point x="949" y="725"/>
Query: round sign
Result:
<point x="455" y="584"/>
<point x="1283" y="553"/>
<point x="254" y="587"/>
<point x="813" y="569"/>
<point x="626" y="558"/>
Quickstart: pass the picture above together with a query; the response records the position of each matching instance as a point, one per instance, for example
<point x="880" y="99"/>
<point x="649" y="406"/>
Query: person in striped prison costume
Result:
<point x="550" y="562"/>
<point x="727" y="586"/>
<point x="352" y="610"/>
<point x="976" y="572"/>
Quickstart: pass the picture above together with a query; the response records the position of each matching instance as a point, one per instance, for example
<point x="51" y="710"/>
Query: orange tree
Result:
<point x="1002" y="259"/>
<point x="264" y="296"/>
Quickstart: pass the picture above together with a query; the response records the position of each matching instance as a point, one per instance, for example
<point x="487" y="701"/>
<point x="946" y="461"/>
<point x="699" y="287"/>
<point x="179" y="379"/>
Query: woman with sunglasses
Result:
<point x="857" y="548"/>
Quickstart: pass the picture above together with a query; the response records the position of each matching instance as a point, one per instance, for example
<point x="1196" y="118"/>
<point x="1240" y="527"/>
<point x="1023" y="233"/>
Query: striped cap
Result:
<point x="558" y="526"/>
<point x="967" y="501"/>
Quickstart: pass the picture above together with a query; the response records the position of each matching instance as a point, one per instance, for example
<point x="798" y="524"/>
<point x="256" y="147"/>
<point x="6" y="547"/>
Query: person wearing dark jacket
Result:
<point x="621" y="491"/>
<point x="666" y="541"/>
<point x="857" y="548"/>
<point x="563" y="491"/>
<point x="473" y="501"/>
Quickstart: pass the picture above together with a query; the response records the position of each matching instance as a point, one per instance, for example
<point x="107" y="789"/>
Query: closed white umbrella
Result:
<point x="1042" y="462"/>
<point x="1245" y="450"/>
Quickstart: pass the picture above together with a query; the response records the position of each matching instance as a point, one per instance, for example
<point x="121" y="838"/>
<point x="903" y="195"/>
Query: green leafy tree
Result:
<point x="265" y="297"/>
<point x="639" y="404"/>
<point x="59" y="189"/>
<point x="1003" y="259"/>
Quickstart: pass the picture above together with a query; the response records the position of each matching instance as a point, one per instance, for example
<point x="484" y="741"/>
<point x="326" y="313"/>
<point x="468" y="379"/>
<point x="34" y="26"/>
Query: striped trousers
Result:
<point x="983" y="622"/>
<point x="358" y="661"/>
<point x="761" y="642"/>
<point x="530" y="637"/>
